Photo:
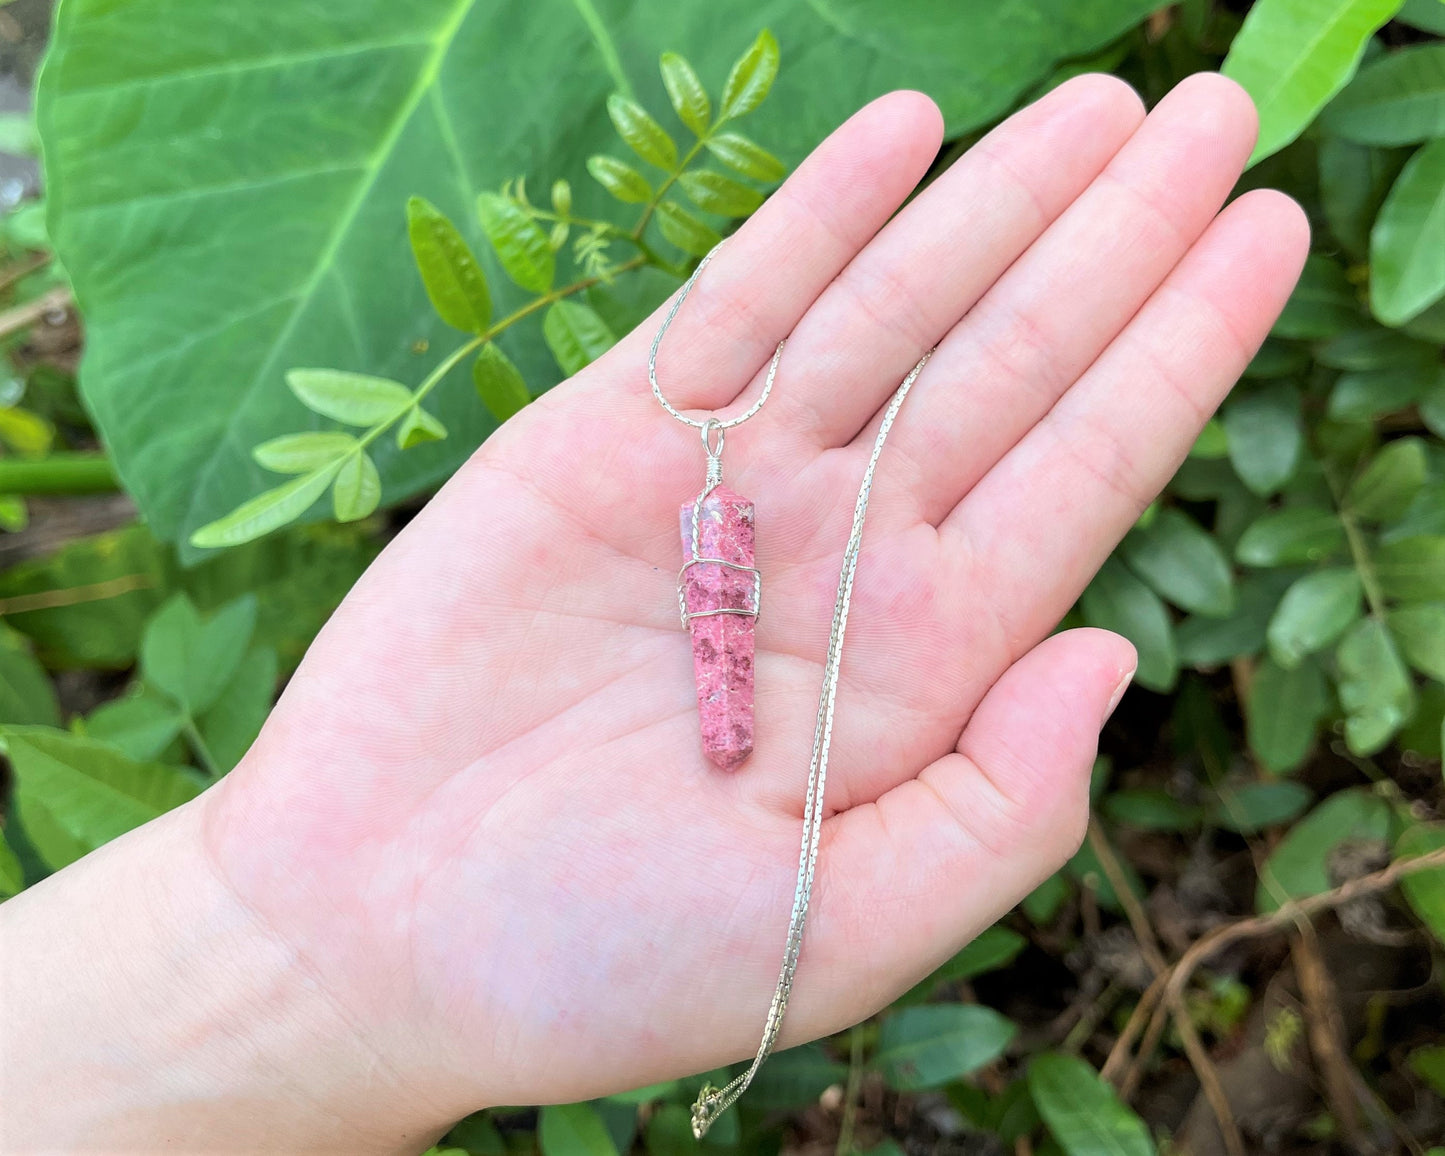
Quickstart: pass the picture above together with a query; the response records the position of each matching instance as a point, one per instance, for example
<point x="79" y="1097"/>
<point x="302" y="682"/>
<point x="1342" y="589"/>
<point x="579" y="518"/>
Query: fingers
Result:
<point x="1047" y="515"/>
<point x="1058" y="307"/>
<point x="768" y="274"/>
<point x="905" y="882"/>
<point x="928" y="267"/>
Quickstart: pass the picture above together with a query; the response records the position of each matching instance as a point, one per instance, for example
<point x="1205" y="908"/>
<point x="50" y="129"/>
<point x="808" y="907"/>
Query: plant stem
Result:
<point x="607" y="227"/>
<point x="453" y="359"/>
<point x="73" y="595"/>
<point x="199" y="746"/>
<point x="651" y="206"/>
<point x="24" y="316"/>
<point x="850" y="1092"/>
<point x="1359" y="552"/>
<point x="62" y="473"/>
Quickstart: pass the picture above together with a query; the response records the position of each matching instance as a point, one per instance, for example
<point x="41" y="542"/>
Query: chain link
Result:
<point x="712" y="422"/>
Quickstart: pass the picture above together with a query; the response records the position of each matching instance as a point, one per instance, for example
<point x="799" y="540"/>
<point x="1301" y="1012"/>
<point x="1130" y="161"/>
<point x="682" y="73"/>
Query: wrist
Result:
<point x="146" y="1006"/>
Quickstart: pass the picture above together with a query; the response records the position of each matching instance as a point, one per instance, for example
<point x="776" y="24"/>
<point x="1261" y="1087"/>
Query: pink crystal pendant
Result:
<point x="718" y="592"/>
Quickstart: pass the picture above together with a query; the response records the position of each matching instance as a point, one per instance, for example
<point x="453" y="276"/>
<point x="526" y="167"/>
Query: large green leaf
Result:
<point x="1420" y="632"/>
<point x="993" y="948"/>
<point x="1293" y="55"/>
<point x="1283" y="712"/>
<point x="1117" y="600"/>
<point x="1374" y="686"/>
<point x="1082" y="1112"/>
<point x="1182" y="563"/>
<point x="924" y="1047"/>
<point x="1407" y="244"/>
<point x="192" y="659"/>
<point x="794" y="1079"/>
<point x="1354" y="180"/>
<point x="1397" y="100"/>
<point x="1265" y="436"/>
<point x="228" y="195"/>
<point x="1425" y="890"/>
<point x="1300" y="864"/>
<point x="573" y="1130"/>
<point x="1291" y="536"/>
<point x="26" y="695"/>
<point x="84" y="792"/>
<point x="1314" y="612"/>
<point x="1426" y="15"/>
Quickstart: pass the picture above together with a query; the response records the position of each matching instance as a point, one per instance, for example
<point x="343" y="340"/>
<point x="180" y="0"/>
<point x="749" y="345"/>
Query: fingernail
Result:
<point x="1119" y="692"/>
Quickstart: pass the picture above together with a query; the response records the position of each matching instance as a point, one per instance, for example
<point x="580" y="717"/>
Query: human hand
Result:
<point x="480" y="820"/>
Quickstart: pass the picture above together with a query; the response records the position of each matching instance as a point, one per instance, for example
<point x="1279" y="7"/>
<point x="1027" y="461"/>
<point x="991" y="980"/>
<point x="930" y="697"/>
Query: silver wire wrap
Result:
<point x="712" y="1102"/>
<point x="697" y="423"/>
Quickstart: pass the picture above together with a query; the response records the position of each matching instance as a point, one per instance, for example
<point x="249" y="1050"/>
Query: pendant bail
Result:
<point x="709" y="428"/>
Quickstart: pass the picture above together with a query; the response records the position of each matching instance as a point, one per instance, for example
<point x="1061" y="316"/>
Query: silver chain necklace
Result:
<point x="719" y="593"/>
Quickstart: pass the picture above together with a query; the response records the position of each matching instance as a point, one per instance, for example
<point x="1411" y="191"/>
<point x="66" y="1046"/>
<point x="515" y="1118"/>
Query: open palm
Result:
<point x="480" y="815"/>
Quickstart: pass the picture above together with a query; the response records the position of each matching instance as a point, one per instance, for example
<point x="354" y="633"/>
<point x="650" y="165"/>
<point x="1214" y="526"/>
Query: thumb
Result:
<point x="937" y="859"/>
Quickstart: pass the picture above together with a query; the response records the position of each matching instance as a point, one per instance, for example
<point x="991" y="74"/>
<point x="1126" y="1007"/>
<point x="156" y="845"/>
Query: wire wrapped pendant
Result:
<point x="718" y="592"/>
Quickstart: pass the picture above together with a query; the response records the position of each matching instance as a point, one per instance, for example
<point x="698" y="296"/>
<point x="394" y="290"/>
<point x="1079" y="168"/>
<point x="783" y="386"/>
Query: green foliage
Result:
<point x="573" y="1130"/>
<point x="26" y="695"/>
<point x="1082" y="1112"/>
<point x="1288" y="588"/>
<point x="1407" y="244"/>
<point x="1300" y="864"/>
<point x="926" y="1047"/>
<point x="573" y="332"/>
<point x="74" y="794"/>
<point x="232" y="299"/>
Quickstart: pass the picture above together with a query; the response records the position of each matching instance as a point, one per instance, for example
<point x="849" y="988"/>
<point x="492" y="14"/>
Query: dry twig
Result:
<point x="24" y="316"/>
<point x="1149" y="943"/>
<point x="71" y="595"/>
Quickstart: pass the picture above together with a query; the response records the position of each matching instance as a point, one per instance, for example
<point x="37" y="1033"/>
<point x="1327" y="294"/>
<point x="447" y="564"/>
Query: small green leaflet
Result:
<point x="355" y="399"/>
<point x="686" y="92"/>
<point x="685" y="231"/>
<point x="266" y="511"/>
<point x="357" y="488"/>
<point x="751" y="77"/>
<point x="300" y="453"/>
<point x="521" y="246"/>
<point x="454" y="281"/>
<point x="620" y="179"/>
<point x="498" y="383"/>
<point x="642" y="134"/>
<point x="576" y="335"/>
<point x="739" y="153"/>
<point x="715" y="193"/>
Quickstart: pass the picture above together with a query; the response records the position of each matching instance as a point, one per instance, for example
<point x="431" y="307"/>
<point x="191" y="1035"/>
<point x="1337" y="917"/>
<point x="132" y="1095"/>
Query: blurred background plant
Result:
<point x="1246" y="954"/>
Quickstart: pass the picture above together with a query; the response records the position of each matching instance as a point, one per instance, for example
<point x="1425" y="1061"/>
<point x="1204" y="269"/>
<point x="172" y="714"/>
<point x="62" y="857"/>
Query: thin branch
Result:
<point x="1132" y="1028"/>
<point x="1254" y="927"/>
<point x="1194" y="1048"/>
<point x="1326" y="1032"/>
<point x="71" y="595"/>
<point x="24" y="316"/>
